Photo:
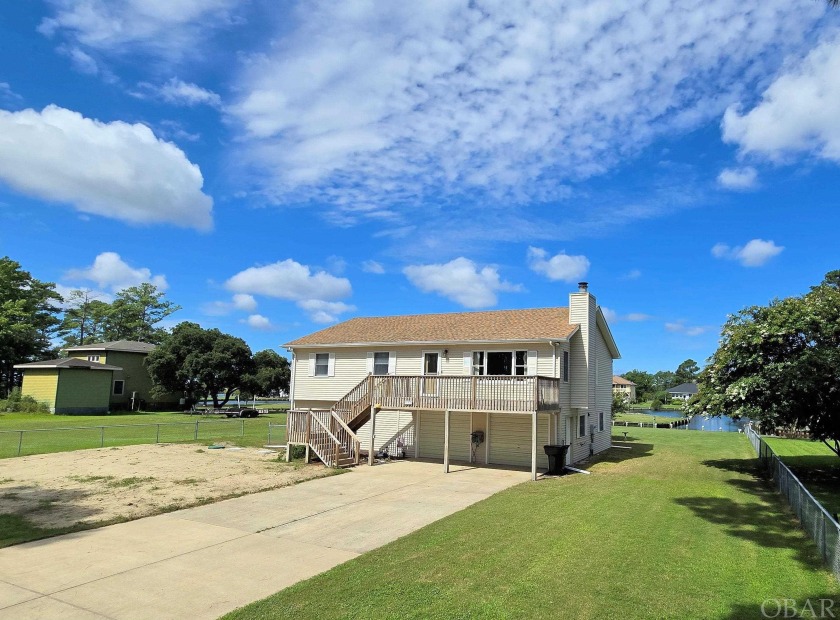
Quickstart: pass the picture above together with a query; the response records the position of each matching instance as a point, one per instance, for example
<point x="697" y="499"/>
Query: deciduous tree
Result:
<point x="200" y="362"/>
<point x="780" y="364"/>
<point x="27" y="319"/>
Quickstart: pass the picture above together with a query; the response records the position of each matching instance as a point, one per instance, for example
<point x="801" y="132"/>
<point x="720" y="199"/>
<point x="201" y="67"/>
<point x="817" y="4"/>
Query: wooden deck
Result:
<point x="496" y="393"/>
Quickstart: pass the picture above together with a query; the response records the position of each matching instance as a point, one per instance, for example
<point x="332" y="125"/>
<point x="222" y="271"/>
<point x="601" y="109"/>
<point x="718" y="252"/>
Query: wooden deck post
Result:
<point x="371" y="451"/>
<point x="308" y="432"/>
<point x="446" y="442"/>
<point x="534" y="446"/>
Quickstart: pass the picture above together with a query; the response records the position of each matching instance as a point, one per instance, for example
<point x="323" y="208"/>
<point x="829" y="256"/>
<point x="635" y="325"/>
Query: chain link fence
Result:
<point x="815" y="519"/>
<point x="45" y="440"/>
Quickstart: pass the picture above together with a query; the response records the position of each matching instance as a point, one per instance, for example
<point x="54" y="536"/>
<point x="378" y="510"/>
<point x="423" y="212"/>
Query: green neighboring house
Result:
<point x="125" y="386"/>
<point x="69" y="385"/>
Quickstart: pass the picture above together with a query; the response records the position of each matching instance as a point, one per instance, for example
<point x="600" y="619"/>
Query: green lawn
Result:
<point x="678" y="527"/>
<point x="815" y="465"/>
<point x="130" y="429"/>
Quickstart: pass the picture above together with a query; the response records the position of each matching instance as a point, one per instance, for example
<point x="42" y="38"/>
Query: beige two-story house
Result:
<point x="478" y="387"/>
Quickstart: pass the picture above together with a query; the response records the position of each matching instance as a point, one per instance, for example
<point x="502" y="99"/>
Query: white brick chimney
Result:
<point x="582" y="312"/>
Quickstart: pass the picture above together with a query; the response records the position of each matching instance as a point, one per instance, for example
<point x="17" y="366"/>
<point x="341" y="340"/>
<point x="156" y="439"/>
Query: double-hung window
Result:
<point x="381" y="362"/>
<point x="322" y="364"/>
<point x="566" y="366"/>
<point x="582" y="425"/>
<point x="478" y="363"/>
<point x="119" y="387"/>
<point x="600" y="420"/>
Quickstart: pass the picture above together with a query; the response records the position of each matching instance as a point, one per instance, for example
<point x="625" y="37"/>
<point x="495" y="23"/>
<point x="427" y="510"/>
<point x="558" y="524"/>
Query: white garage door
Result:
<point x="431" y="435"/>
<point x="510" y="439"/>
<point x="460" y="427"/>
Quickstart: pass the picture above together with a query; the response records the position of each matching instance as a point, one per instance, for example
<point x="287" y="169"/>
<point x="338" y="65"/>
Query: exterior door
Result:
<point x="431" y="367"/>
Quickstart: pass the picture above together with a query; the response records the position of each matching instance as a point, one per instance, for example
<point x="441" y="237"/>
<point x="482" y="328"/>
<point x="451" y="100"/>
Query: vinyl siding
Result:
<point x="582" y="311"/>
<point x="430" y="434"/>
<point x="42" y="385"/>
<point x="603" y="393"/>
<point x="391" y="426"/>
<point x="83" y="391"/>
<point x="351" y="366"/>
<point x="510" y="439"/>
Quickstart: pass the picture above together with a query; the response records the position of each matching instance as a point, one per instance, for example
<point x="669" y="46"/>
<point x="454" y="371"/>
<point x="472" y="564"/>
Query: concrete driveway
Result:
<point x="203" y="562"/>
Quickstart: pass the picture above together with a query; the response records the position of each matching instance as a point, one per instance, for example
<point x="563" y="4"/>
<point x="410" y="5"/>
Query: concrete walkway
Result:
<point x="203" y="562"/>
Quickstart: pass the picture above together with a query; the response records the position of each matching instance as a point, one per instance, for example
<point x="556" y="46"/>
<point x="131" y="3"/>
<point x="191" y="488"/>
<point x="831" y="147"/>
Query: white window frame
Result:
<point x="581" y="425"/>
<point x="94" y="358"/>
<point x="313" y="364"/>
<point x="122" y="387"/>
<point x="529" y="368"/>
<point x="387" y="365"/>
<point x="600" y="421"/>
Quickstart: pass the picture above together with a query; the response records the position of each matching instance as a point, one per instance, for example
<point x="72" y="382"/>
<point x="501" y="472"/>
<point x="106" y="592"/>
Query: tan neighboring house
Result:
<point x="626" y="388"/>
<point x="475" y="387"/>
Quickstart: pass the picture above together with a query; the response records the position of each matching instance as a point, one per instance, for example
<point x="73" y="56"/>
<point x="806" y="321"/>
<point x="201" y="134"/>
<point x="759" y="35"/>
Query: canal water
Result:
<point x="698" y="422"/>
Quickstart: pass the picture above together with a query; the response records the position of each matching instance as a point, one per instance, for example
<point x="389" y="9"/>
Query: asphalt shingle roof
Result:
<point x="131" y="346"/>
<point x="68" y="362"/>
<point x="496" y="325"/>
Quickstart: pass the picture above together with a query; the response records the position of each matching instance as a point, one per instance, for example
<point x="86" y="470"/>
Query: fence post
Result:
<point x="101" y="436"/>
<point x="20" y="442"/>
<point x="196" y="429"/>
<point x="243" y="427"/>
<point x="157" y="437"/>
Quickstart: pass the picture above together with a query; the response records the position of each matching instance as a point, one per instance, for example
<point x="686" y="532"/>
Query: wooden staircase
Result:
<point x="331" y="433"/>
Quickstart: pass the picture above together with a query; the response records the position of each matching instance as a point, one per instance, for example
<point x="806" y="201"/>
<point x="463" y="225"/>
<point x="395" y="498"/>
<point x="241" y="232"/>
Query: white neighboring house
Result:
<point x="479" y="387"/>
<point x="683" y="391"/>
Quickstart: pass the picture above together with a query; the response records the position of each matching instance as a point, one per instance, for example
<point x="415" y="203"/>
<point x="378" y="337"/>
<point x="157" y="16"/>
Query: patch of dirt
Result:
<point x="118" y="484"/>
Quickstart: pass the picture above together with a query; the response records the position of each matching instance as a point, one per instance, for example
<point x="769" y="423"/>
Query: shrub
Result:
<point x="656" y="405"/>
<point x="22" y="404"/>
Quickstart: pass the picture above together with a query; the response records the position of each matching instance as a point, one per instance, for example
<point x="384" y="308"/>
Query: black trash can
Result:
<point x="556" y="459"/>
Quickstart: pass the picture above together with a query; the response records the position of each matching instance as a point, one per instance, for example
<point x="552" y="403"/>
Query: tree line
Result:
<point x="654" y="386"/>
<point x="36" y="323"/>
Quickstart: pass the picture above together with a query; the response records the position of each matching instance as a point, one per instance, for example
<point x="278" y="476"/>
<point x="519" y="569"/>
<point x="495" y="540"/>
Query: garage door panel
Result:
<point x="431" y="435"/>
<point x="510" y="440"/>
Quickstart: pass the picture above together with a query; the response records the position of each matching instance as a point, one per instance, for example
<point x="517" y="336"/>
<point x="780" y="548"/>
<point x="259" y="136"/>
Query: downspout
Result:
<point x="292" y="380"/>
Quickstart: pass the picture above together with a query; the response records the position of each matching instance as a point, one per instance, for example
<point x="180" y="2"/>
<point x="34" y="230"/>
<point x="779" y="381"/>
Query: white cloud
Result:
<point x="371" y="266"/>
<point x="317" y="293"/>
<point x="755" y="253"/>
<point x="798" y="112"/>
<point x="82" y="61"/>
<point x="258" y="321"/>
<point x="633" y="317"/>
<point x="680" y="327"/>
<point x="461" y="281"/>
<point x="399" y="105"/>
<point x="559" y="267"/>
<point x="633" y="274"/>
<point x="112" y="169"/>
<point x="7" y="95"/>
<point x="178" y="92"/>
<point x="170" y="28"/>
<point x="112" y="272"/>
<point x="240" y="301"/>
<point x="321" y="311"/>
<point x="738" y="178"/>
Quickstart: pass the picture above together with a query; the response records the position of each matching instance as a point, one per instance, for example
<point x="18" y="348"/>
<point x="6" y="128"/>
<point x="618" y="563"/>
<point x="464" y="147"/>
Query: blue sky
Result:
<point x="276" y="167"/>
